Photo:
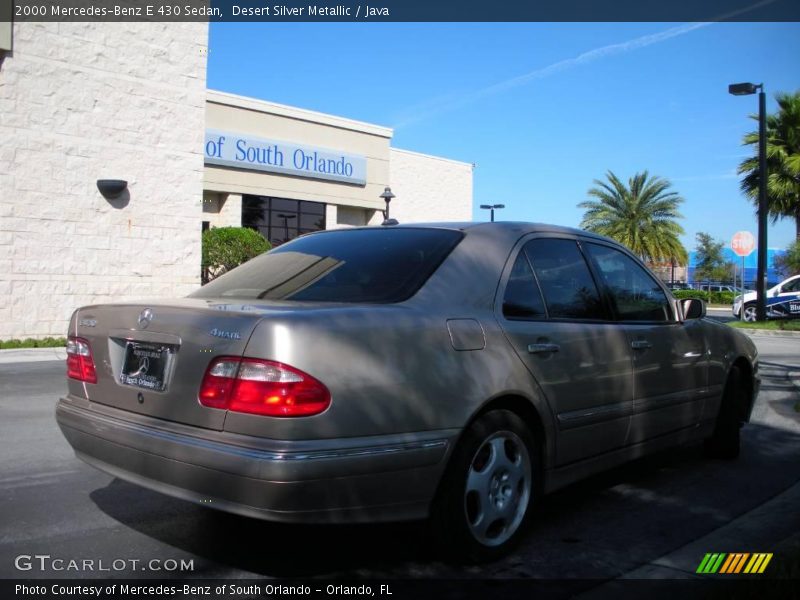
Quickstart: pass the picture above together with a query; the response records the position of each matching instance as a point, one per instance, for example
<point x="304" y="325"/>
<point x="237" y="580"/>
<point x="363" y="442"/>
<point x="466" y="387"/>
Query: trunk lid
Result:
<point x="151" y="357"/>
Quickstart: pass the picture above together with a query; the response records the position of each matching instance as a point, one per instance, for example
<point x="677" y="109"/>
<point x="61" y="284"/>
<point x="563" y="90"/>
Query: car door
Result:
<point x="555" y="318"/>
<point x="786" y="302"/>
<point x="670" y="362"/>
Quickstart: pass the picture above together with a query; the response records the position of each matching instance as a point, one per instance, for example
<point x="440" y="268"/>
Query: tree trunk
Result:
<point x="797" y="225"/>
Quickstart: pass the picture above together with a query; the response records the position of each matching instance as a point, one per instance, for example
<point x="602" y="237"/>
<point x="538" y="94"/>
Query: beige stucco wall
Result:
<point x="87" y="101"/>
<point x="428" y="188"/>
<point x="228" y="112"/>
<point x="221" y="209"/>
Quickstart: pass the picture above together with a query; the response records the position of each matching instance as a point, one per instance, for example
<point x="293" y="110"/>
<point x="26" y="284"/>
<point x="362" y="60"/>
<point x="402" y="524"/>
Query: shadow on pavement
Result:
<point x="599" y="528"/>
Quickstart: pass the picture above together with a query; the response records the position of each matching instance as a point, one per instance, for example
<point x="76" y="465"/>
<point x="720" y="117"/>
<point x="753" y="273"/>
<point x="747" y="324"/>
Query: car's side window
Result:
<point x="792" y="286"/>
<point x="566" y="282"/>
<point x="522" y="299"/>
<point x="636" y="295"/>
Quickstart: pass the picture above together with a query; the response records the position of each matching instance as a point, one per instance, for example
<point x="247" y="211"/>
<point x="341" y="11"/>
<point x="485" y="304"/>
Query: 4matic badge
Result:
<point x="228" y="335"/>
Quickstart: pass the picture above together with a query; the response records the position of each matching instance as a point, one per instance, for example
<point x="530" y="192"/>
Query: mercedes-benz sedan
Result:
<point x="448" y="371"/>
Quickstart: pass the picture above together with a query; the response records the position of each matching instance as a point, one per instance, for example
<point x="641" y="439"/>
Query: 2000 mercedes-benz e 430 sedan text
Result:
<point x="449" y="371"/>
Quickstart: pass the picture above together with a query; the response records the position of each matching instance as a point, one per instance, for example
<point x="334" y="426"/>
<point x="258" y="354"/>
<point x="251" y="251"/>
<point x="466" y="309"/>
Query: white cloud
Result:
<point x="451" y="102"/>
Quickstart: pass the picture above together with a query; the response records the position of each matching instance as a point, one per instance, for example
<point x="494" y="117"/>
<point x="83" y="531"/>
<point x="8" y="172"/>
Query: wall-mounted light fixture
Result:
<point x="111" y="188"/>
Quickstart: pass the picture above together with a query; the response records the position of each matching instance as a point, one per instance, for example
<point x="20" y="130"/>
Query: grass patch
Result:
<point x="48" y="342"/>
<point x="778" y="325"/>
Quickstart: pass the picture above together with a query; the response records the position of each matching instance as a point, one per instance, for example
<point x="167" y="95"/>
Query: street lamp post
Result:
<point x="286" y="224"/>
<point x="492" y="207"/>
<point x="387" y="196"/>
<point x="746" y="89"/>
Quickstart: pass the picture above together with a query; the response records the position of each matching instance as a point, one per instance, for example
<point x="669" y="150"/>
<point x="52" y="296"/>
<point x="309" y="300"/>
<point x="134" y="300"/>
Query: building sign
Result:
<point x="241" y="151"/>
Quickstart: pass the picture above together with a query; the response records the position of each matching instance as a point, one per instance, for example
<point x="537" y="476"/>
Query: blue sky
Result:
<point x="541" y="109"/>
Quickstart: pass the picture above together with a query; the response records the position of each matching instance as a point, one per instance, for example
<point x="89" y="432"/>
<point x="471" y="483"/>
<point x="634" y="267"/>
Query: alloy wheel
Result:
<point x="498" y="489"/>
<point x="750" y="313"/>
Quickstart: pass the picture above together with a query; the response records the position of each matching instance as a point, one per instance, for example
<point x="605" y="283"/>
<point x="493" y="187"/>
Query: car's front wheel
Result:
<point x="750" y="312"/>
<point x="724" y="441"/>
<point x="485" y="497"/>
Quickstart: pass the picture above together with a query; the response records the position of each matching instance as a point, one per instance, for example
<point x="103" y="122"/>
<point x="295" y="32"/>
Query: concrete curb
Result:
<point x="24" y="355"/>
<point x="769" y="332"/>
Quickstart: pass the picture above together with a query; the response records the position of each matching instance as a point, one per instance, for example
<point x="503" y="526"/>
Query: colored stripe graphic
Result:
<point x="711" y="563"/>
<point x="731" y="560"/>
<point x="740" y="563"/>
<point x="734" y="563"/>
<point x="758" y="563"/>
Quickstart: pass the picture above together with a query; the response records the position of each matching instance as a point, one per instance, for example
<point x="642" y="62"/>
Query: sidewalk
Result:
<point x="32" y="355"/>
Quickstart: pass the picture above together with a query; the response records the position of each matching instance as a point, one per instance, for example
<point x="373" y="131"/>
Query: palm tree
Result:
<point x="641" y="215"/>
<point x="783" y="161"/>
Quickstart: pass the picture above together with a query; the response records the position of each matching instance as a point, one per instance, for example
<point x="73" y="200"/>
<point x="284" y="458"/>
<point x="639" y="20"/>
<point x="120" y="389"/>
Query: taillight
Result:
<point x="262" y="387"/>
<point x="80" y="362"/>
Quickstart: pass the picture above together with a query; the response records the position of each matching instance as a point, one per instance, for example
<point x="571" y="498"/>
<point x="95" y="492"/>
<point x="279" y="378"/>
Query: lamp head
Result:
<point x="111" y="188"/>
<point x="743" y="89"/>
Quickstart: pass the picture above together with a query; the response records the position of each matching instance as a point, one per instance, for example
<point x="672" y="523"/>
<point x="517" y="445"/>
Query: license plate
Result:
<point x="145" y="365"/>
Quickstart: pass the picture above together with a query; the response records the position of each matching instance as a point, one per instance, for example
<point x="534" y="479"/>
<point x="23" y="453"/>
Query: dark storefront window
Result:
<point x="280" y="219"/>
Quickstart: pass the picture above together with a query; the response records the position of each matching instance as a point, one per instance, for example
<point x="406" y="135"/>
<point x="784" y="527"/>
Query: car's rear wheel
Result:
<point x="484" y="500"/>
<point x="724" y="441"/>
<point x="750" y="312"/>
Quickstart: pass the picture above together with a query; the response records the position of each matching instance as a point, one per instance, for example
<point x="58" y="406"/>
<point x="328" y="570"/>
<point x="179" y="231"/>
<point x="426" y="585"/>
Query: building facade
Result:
<point x="82" y="102"/>
<point x="287" y="171"/>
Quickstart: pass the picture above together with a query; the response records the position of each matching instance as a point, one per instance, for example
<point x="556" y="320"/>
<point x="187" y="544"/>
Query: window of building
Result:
<point x="564" y="277"/>
<point x="281" y="219"/>
<point x="635" y="294"/>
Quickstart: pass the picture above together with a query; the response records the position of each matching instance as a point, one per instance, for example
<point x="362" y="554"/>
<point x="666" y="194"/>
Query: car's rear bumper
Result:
<point x="380" y="478"/>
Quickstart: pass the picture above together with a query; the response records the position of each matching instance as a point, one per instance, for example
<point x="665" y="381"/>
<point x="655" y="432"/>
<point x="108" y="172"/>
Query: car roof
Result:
<point x="511" y="227"/>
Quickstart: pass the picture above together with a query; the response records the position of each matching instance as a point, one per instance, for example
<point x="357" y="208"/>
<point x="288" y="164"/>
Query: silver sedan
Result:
<point x="454" y="372"/>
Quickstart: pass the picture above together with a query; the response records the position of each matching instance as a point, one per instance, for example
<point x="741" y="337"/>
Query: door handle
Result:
<point x="641" y="345"/>
<point x="543" y="348"/>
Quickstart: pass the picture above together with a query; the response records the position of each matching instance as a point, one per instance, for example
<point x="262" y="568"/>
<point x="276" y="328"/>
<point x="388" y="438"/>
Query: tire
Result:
<point x="724" y="441"/>
<point x="484" y="500"/>
<point x="750" y="312"/>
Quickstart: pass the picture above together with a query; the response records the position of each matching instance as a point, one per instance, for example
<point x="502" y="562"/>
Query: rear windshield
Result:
<point x="360" y="265"/>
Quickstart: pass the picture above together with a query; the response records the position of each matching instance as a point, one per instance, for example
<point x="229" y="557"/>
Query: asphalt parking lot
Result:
<point x="654" y="518"/>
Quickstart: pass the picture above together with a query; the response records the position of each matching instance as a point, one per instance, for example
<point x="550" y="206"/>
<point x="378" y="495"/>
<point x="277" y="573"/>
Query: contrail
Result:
<point x="452" y="102"/>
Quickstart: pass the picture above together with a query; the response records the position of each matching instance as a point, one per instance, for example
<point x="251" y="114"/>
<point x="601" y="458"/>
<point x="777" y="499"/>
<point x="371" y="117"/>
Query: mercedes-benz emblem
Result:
<point x="144" y="365"/>
<point x="145" y="317"/>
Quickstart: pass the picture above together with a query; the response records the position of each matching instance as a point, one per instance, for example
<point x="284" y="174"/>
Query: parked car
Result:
<point x="678" y="285"/>
<point x="716" y="287"/>
<point x="783" y="301"/>
<point x="450" y="371"/>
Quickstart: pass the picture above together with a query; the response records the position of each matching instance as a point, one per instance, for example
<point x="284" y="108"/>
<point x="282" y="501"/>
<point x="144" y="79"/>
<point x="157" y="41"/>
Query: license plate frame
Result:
<point x="146" y="365"/>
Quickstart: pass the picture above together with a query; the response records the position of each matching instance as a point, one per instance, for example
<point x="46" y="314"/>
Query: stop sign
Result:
<point x="743" y="243"/>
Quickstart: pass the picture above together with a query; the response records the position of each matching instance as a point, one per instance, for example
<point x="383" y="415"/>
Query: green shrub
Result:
<point x="225" y="248"/>
<point x="722" y="297"/>
<point x="681" y="294"/>
<point x="48" y="342"/>
<point x="709" y="297"/>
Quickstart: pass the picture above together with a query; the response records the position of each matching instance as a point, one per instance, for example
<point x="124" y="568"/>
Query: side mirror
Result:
<point x="693" y="308"/>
